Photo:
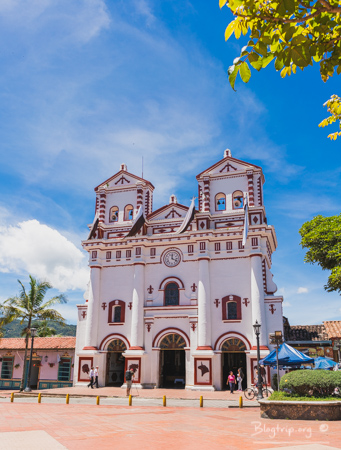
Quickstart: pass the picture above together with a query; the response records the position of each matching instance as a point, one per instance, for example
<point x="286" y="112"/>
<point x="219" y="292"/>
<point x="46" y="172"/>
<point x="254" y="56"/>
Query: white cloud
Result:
<point x="43" y="252"/>
<point x="286" y="304"/>
<point x="77" y="21"/>
<point x="302" y="290"/>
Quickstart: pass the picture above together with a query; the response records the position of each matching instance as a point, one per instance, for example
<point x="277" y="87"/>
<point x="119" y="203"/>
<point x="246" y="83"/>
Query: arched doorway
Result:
<point x="172" y="362"/>
<point x="115" y="363"/>
<point x="233" y="357"/>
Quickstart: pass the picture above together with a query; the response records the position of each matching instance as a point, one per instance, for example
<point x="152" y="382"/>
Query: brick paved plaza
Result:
<point x="145" y="425"/>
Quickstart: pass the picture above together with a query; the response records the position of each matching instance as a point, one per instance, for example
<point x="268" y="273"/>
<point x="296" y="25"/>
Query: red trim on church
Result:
<point x="227" y="300"/>
<point x="114" y="336"/>
<point x="112" y="305"/>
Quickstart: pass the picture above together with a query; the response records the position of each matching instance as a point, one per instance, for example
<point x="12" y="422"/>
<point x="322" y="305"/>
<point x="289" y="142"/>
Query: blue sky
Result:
<point x="90" y="84"/>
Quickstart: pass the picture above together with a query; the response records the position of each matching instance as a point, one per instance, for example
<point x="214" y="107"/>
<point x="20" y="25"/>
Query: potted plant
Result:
<point x="51" y="364"/>
<point x="17" y="366"/>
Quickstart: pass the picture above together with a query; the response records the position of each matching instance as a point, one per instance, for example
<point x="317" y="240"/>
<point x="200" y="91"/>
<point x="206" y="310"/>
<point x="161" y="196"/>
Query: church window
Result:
<point x="217" y="246"/>
<point x="108" y="255"/>
<point x="254" y="242"/>
<point x="138" y="251"/>
<point x="202" y="245"/>
<point x="152" y="251"/>
<point x="118" y="254"/>
<point x="229" y="245"/>
<point x="171" y="294"/>
<point x="220" y="202"/>
<point x="94" y="254"/>
<point x="113" y="214"/>
<point x="128" y="212"/>
<point x="116" y="314"/>
<point x="190" y="249"/>
<point x="231" y="308"/>
<point x="240" y="245"/>
<point x="116" y="311"/>
<point x="128" y="253"/>
<point x="238" y="200"/>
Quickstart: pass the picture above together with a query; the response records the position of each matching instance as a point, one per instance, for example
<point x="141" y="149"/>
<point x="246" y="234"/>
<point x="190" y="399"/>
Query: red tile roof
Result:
<point x="333" y="328"/>
<point x="40" y="343"/>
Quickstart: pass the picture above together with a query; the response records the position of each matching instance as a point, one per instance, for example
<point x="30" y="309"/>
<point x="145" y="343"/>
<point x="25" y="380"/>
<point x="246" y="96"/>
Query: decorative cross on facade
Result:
<point x="130" y="305"/>
<point x="148" y="325"/>
<point x="193" y="326"/>
<point x="104" y="305"/>
<point x="84" y="314"/>
<point x="150" y="289"/>
<point x="271" y="308"/>
<point x="246" y="301"/>
<point x="193" y="287"/>
<point x="216" y="302"/>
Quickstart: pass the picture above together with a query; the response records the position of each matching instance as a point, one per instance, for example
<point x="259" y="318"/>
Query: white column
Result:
<point x="137" y="315"/>
<point x="93" y="306"/>
<point x="204" y="305"/>
<point x="257" y="299"/>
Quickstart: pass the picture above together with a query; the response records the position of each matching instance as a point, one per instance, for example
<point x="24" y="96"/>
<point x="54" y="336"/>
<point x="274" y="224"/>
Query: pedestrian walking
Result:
<point x="92" y="372"/>
<point x="231" y="380"/>
<point x="96" y="377"/>
<point x="240" y="377"/>
<point x="129" y="378"/>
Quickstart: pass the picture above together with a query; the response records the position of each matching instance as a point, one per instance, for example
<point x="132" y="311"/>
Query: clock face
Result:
<point x="172" y="258"/>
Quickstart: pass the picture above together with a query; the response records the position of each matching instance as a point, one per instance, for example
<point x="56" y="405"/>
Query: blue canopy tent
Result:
<point x="287" y="356"/>
<point x="324" y="363"/>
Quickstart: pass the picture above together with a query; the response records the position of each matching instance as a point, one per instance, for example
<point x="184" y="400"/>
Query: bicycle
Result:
<point x="251" y="392"/>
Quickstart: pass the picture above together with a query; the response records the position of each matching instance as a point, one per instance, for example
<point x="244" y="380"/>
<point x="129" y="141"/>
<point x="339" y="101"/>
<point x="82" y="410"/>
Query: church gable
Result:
<point x="167" y="212"/>
<point x="123" y="178"/>
<point x="227" y="165"/>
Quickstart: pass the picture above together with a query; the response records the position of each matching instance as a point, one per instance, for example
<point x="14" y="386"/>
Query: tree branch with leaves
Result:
<point x="322" y="237"/>
<point x="293" y="33"/>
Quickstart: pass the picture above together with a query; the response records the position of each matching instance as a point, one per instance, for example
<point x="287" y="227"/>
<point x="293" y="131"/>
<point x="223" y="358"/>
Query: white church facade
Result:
<point x="178" y="308"/>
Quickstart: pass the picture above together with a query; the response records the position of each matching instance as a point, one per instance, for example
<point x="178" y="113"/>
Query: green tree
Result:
<point x="293" y="33"/>
<point x="30" y="306"/>
<point x="322" y="236"/>
<point x="44" y="329"/>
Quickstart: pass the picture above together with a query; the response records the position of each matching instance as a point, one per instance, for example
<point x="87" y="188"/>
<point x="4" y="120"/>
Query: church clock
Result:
<point x="172" y="258"/>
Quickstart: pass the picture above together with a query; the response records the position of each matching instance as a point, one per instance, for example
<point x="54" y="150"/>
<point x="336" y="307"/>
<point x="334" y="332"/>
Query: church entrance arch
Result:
<point x="172" y="361"/>
<point x="115" y="363"/>
<point x="233" y="357"/>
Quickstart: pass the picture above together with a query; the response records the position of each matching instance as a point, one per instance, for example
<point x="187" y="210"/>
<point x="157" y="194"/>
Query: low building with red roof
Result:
<point x="52" y="362"/>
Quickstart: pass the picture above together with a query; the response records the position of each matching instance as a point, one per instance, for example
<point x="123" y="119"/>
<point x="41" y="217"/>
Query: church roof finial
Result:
<point x="227" y="153"/>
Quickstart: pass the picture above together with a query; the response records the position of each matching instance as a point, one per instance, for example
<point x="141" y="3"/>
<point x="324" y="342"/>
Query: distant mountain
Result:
<point x="14" y="329"/>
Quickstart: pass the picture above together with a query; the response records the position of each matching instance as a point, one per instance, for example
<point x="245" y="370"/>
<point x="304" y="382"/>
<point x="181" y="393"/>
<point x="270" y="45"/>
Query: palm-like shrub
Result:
<point x="31" y="306"/>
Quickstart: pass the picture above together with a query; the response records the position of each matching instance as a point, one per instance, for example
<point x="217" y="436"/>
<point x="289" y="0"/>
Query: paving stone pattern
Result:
<point x="83" y="426"/>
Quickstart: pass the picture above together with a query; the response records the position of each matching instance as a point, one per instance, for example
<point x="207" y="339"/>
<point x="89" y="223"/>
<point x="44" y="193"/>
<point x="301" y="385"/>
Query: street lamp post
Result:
<point x="278" y="339"/>
<point x="33" y="335"/>
<point x="256" y="327"/>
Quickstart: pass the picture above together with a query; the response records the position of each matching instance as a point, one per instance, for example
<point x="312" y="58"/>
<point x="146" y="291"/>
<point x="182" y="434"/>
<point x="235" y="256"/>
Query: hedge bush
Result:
<point x="319" y="383"/>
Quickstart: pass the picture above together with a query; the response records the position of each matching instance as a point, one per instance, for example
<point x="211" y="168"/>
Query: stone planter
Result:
<point x="296" y="410"/>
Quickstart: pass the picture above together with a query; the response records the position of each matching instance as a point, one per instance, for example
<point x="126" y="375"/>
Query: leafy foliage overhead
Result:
<point x="322" y="236"/>
<point x="293" y="33"/>
<point x="334" y="108"/>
